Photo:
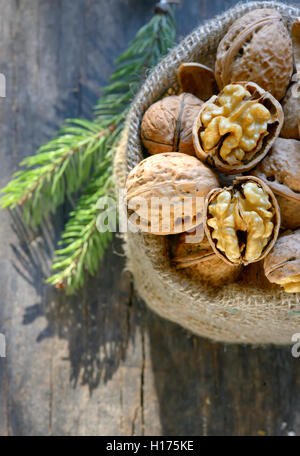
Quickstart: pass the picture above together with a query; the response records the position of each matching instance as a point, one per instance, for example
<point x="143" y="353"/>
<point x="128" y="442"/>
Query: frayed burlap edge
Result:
<point x="236" y="313"/>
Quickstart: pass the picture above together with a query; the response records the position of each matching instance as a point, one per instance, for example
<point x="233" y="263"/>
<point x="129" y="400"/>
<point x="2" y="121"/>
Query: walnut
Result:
<point x="291" y="101"/>
<point x="242" y="221"/>
<point x="257" y="48"/>
<point x="291" y="111"/>
<point x="197" y="79"/>
<point x="296" y="42"/>
<point x="167" y="124"/>
<point x="192" y="253"/>
<point x="282" y="265"/>
<point x="254" y="274"/>
<point x="280" y="169"/>
<point x="234" y="130"/>
<point x="190" y="248"/>
<point x="165" y="193"/>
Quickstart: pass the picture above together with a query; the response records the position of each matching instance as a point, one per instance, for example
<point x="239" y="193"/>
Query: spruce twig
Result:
<point x="59" y="169"/>
<point x="84" y="247"/>
<point x="81" y="157"/>
<point x="151" y="42"/>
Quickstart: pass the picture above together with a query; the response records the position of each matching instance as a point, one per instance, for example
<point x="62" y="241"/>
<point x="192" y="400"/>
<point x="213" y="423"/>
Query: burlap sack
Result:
<point x="240" y="312"/>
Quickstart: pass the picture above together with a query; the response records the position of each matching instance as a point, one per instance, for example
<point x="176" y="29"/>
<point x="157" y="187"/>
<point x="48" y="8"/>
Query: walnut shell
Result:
<point x="257" y="48"/>
<point x="254" y="274"/>
<point x="291" y="111"/>
<point x="291" y="101"/>
<point x="256" y="96"/>
<point x="282" y="265"/>
<point x="190" y="248"/>
<point x="165" y="193"/>
<point x="242" y="222"/>
<point x="167" y="124"/>
<point x="296" y="42"/>
<point x="197" y="79"/>
<point x="193" y="254"/>
<point x="280" y="169"/>
<point x="290" y="212"/>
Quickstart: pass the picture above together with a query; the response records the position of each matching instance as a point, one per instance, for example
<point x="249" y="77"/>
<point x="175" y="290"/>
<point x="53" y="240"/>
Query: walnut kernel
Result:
<point x="235" y="130"/>
<point x="242" y="221"/>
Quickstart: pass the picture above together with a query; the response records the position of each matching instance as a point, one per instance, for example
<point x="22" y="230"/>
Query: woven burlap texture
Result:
<point x="236" y="313"/>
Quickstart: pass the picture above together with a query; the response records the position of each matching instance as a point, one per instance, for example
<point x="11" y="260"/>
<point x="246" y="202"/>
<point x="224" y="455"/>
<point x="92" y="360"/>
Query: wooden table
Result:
<point x="101" y="363"/>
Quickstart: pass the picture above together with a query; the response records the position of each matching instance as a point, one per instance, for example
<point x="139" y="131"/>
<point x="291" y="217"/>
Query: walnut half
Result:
<point x="234" y="130"/>
<point x="242" y="221"/>
<point x="197" y="79"/>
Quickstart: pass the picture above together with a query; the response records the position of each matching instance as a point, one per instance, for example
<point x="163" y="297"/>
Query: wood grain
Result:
<point x="101" y="363"/>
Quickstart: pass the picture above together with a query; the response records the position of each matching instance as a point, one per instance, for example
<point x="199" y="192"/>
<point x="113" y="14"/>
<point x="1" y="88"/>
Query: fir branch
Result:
<point x="84" y="150"/>
<point x="83" y="246"/>
<point x="64" y="164"/>
<point x="59" y="168"/>
<point x="151" y="42"/>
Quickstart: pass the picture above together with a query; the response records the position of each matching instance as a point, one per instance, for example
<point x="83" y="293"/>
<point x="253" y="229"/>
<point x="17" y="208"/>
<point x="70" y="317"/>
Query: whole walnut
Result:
<point x="167" y="124"/>
<point x="282" y="265"/>
<point x="165" y="193"/>
<point x="280" y="169"/>
<point x="257" y="48"/>
<point x="192" y="253"/>
<point x="234" y="130"/>
<point x="242" y="222"/>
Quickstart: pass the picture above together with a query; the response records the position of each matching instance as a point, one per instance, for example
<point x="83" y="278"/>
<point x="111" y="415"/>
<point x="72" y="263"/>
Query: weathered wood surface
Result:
<point x="101" y="363"/>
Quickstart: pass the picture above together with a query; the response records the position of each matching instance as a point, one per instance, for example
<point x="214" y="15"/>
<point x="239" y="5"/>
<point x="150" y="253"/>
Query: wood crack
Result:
<point x="51" y="394"/>
<point x="142" y="397"/>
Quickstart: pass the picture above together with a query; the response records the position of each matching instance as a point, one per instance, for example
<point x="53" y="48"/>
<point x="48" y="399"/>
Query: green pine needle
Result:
<point x="151" y="42"/>
<point x="59" y="168"/>
<point x="82" y="246"/>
